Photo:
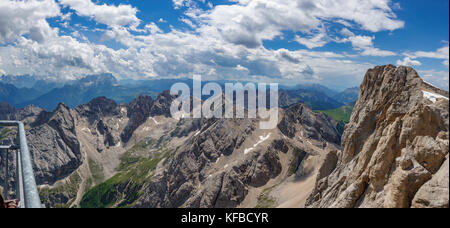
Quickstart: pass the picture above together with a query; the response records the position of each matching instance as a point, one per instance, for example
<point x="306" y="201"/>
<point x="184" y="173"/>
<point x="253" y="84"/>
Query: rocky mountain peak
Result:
<point x="395" y="148"/>
<point x="53" y="142"/>
<point x="61" y="108"/>
<point x="301" y="121"/>
<point x="99" y="107"/>
<point x="387" y="92"/>
<point x="138" y="112"/>
<point x="44" y="116"/>
<point x="102" y="103"/>
<point x="162" y="104"/>
<point x="98" y="80"/>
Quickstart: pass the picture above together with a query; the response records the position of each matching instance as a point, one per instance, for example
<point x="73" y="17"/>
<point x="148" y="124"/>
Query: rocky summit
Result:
<point x="395" y="148"/>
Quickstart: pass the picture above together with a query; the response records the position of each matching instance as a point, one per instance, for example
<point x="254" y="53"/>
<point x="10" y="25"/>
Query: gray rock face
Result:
<point x="98" y="108"/>
<point x="434" y="193"/>
<point x="144" y="107"/>
<point x="395" y="148"/>
<point x="138" y="112"/>
<point x="229" y="188"/>
<point x="98" y="112"/>
<point x="161" y="106"/>
<point x="28" y="114"/>
<point x="178" y="185"/>
<point x="54" y="145"/>
<point x="315" y="125"/>
<point x="193" y="179"/>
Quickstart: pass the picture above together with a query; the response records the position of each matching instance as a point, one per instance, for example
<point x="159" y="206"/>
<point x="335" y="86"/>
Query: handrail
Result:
<point x="26" y="184"/>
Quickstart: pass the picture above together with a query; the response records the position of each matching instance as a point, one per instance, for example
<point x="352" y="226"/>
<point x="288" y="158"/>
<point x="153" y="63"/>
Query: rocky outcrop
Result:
<point x="98" y="108"/>
<point x="161" y="106"/>
<point x="434" y="193"/>
<point x="144" y="107"/>
<point x="54" y="145"/>
<point x="300" y="118"/>
<point x="186" y="126"/>
<point x="138" y="112"/>
<point x="395" y="148"/>
<point x="98" y="113"/>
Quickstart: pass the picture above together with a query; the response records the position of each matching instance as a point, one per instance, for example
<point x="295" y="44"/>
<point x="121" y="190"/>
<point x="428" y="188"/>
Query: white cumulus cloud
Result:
<point x="111" y="15"/>
<point x="18" y="18"/>
<point x="407" y="61"/>
<point x="365" y="45"/>
<point x="249" y="22"/>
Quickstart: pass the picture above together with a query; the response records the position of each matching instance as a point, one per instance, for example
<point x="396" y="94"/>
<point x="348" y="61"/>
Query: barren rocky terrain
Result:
<point x="395" y="148"/>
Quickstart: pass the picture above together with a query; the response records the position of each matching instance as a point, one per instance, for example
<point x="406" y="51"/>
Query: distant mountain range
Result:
<point x="21" y="91"/>
<point x="20" y="81"/>
<point x="13" y="95"/>
<point x="86" y="89"/>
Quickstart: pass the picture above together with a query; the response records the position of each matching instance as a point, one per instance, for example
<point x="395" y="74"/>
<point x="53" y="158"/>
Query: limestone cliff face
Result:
<point x="54" y="145"/>
<point x="395" y="148"/>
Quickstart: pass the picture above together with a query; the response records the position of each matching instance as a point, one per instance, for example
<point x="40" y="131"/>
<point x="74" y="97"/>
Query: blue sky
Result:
<point x="331" y="42"/>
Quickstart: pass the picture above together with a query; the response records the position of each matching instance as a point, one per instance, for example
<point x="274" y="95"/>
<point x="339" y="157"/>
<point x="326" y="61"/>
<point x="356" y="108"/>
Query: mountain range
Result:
<point x="393" y="151"/>
<point x="21" y="91"/>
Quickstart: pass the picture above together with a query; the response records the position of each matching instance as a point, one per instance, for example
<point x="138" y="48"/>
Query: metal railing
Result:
<point x="26" y="188"/>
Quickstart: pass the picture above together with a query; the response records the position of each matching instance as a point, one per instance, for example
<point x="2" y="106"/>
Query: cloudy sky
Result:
<point x="332" y="42"/>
